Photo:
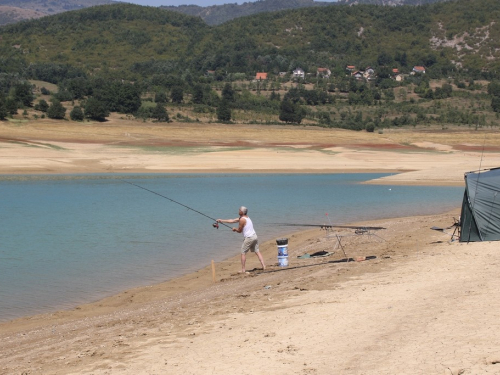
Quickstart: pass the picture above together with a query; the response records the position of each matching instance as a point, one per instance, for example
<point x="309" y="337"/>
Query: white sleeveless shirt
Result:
<point x="248" y="230"/>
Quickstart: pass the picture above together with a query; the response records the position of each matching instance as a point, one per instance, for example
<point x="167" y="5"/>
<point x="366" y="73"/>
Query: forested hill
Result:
<point x="12" y="11"/>
<point x="130" y="41"/>
<point x="218" y="14"/>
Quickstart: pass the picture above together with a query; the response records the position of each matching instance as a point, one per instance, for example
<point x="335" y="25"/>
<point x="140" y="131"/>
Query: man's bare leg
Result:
<point x="243" y="261"/>
<point x="259" y="255"/>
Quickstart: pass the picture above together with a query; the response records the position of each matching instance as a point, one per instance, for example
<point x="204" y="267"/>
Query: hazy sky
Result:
<point x="203" y="3"/>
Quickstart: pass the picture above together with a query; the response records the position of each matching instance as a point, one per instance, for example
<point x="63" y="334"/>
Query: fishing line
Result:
<point x="215" y="224"/>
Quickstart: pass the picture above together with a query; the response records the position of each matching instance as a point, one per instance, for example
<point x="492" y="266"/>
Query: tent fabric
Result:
<point x="480" y="216"/>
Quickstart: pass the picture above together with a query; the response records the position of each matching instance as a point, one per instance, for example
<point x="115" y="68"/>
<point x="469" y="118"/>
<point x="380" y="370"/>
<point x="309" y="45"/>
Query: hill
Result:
<point x="9" y="14"/>
<point x="106" y="37"/>
<point x="12" y="11"/>
<point x="136" y="60"/>
<point x="218" y="14"/>
<point x="126" y="38"/>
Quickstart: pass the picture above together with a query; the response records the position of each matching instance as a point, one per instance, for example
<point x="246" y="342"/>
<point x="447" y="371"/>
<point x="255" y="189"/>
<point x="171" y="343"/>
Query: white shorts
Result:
<point x="250" y="244"/>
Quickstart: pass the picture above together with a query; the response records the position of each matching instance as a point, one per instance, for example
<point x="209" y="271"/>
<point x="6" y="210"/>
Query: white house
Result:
<point x="298" y="73"/>
<point x="323" y="72"/>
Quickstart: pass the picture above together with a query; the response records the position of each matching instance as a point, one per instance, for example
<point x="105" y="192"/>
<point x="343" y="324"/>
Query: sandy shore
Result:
<point x="417" y="304"/>
<point x="118" y="146"/>
<point x="409" y="302"/>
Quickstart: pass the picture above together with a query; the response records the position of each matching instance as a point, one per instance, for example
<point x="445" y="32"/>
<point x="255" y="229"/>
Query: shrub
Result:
<point x="77" y="114"/>
<point x="56" y="110"/>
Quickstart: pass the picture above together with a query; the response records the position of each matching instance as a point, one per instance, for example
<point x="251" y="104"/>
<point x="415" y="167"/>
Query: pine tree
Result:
<point x="224" y="111"/>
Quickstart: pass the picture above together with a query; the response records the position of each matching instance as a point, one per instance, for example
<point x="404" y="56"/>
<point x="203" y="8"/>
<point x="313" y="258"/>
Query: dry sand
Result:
<point x="417" y="304"/>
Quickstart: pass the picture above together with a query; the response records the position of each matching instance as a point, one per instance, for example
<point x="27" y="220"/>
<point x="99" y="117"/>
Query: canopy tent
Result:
<point x="480" y="216"/>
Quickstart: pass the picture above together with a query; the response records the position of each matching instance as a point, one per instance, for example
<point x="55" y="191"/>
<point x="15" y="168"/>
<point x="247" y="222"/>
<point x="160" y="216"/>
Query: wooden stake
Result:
<point x="213" y="271"/>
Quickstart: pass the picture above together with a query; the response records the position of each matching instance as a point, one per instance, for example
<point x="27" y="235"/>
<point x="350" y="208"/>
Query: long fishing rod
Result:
<point x="215" y="224"/>
<point x="328" y="226"/>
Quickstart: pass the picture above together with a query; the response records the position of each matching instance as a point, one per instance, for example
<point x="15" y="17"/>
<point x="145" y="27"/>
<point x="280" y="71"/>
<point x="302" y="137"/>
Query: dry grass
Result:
<point x="128" y="130"/>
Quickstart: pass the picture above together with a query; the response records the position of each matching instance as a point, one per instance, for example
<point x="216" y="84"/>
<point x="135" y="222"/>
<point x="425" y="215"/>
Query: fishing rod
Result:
<point x="215" y="224"/>
<point x="328" y="226"/>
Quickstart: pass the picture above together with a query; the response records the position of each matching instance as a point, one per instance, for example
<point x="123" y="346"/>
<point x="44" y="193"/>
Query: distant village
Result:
<point x="366" y="75"/>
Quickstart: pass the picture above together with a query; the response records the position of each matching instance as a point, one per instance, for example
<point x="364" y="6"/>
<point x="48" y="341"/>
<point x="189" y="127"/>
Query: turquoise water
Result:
<point x="67" y="240"/>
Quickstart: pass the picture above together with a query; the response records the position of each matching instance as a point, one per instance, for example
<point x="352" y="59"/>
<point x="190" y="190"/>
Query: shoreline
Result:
<point x="267" y="249"/>
<point x="180" y="309"/>
<point x="64" y="306"/>
<point x="397" y="177"/>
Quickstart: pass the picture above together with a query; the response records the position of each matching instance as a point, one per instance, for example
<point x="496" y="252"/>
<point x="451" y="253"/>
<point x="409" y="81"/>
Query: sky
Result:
<point x="202" y="3"/>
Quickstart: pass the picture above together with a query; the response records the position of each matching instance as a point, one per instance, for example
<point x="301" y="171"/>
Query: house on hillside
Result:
<point x="323" y="73"/>
<point x="350" y="68"/>
<point x="261" y="76"/>
<point x="418" y="69"/>
<point x="358" y="75"/>
<point x="369" y="73"/>
<point x="298" y="73"/>
<point x="210" y="73"/>
<point x="399" y="77"/>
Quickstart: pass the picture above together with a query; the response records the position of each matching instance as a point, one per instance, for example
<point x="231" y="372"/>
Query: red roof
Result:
<point x="261" y="76"/>
<point x="419" y="68"/>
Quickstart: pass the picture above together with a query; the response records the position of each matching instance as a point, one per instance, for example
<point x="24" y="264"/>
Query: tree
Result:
<point x="95" y="110"/>
<point x="493" y="88"/>
<point x="495" y="104"/>
<point x="228" y="93"/>
<point x="117" y="96"/>
<point x="3" y="108"/>
<point x="160" y="97"/>
<point x="42" y="105"/>
<point x="11" y="106"/>
<point x="291" y="112"/>
<point x="77" y="114"/>
<point x="56" y="110"/>
<point x="224" y="111"/>
<point x="160" y="113"/>
<point x="177" y="95"/>
<point x="198" y="94"/>
<point x="23" y="93"/>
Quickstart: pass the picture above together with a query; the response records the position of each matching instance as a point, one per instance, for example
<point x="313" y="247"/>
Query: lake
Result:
<point x="72" y="239"/>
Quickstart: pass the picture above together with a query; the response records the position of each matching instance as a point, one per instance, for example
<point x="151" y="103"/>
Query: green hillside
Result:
<point x="108" y="37"/>
<point x="443" y="37"/>
<point x="141" y="60"/>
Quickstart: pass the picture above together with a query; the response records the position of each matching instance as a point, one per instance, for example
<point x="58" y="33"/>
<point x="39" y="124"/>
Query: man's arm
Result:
<point x="243" y="221"/>
<point x="229" y="221"/>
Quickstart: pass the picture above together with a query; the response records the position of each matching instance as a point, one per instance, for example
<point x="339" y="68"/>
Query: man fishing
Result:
<point x="250" y="240"/>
